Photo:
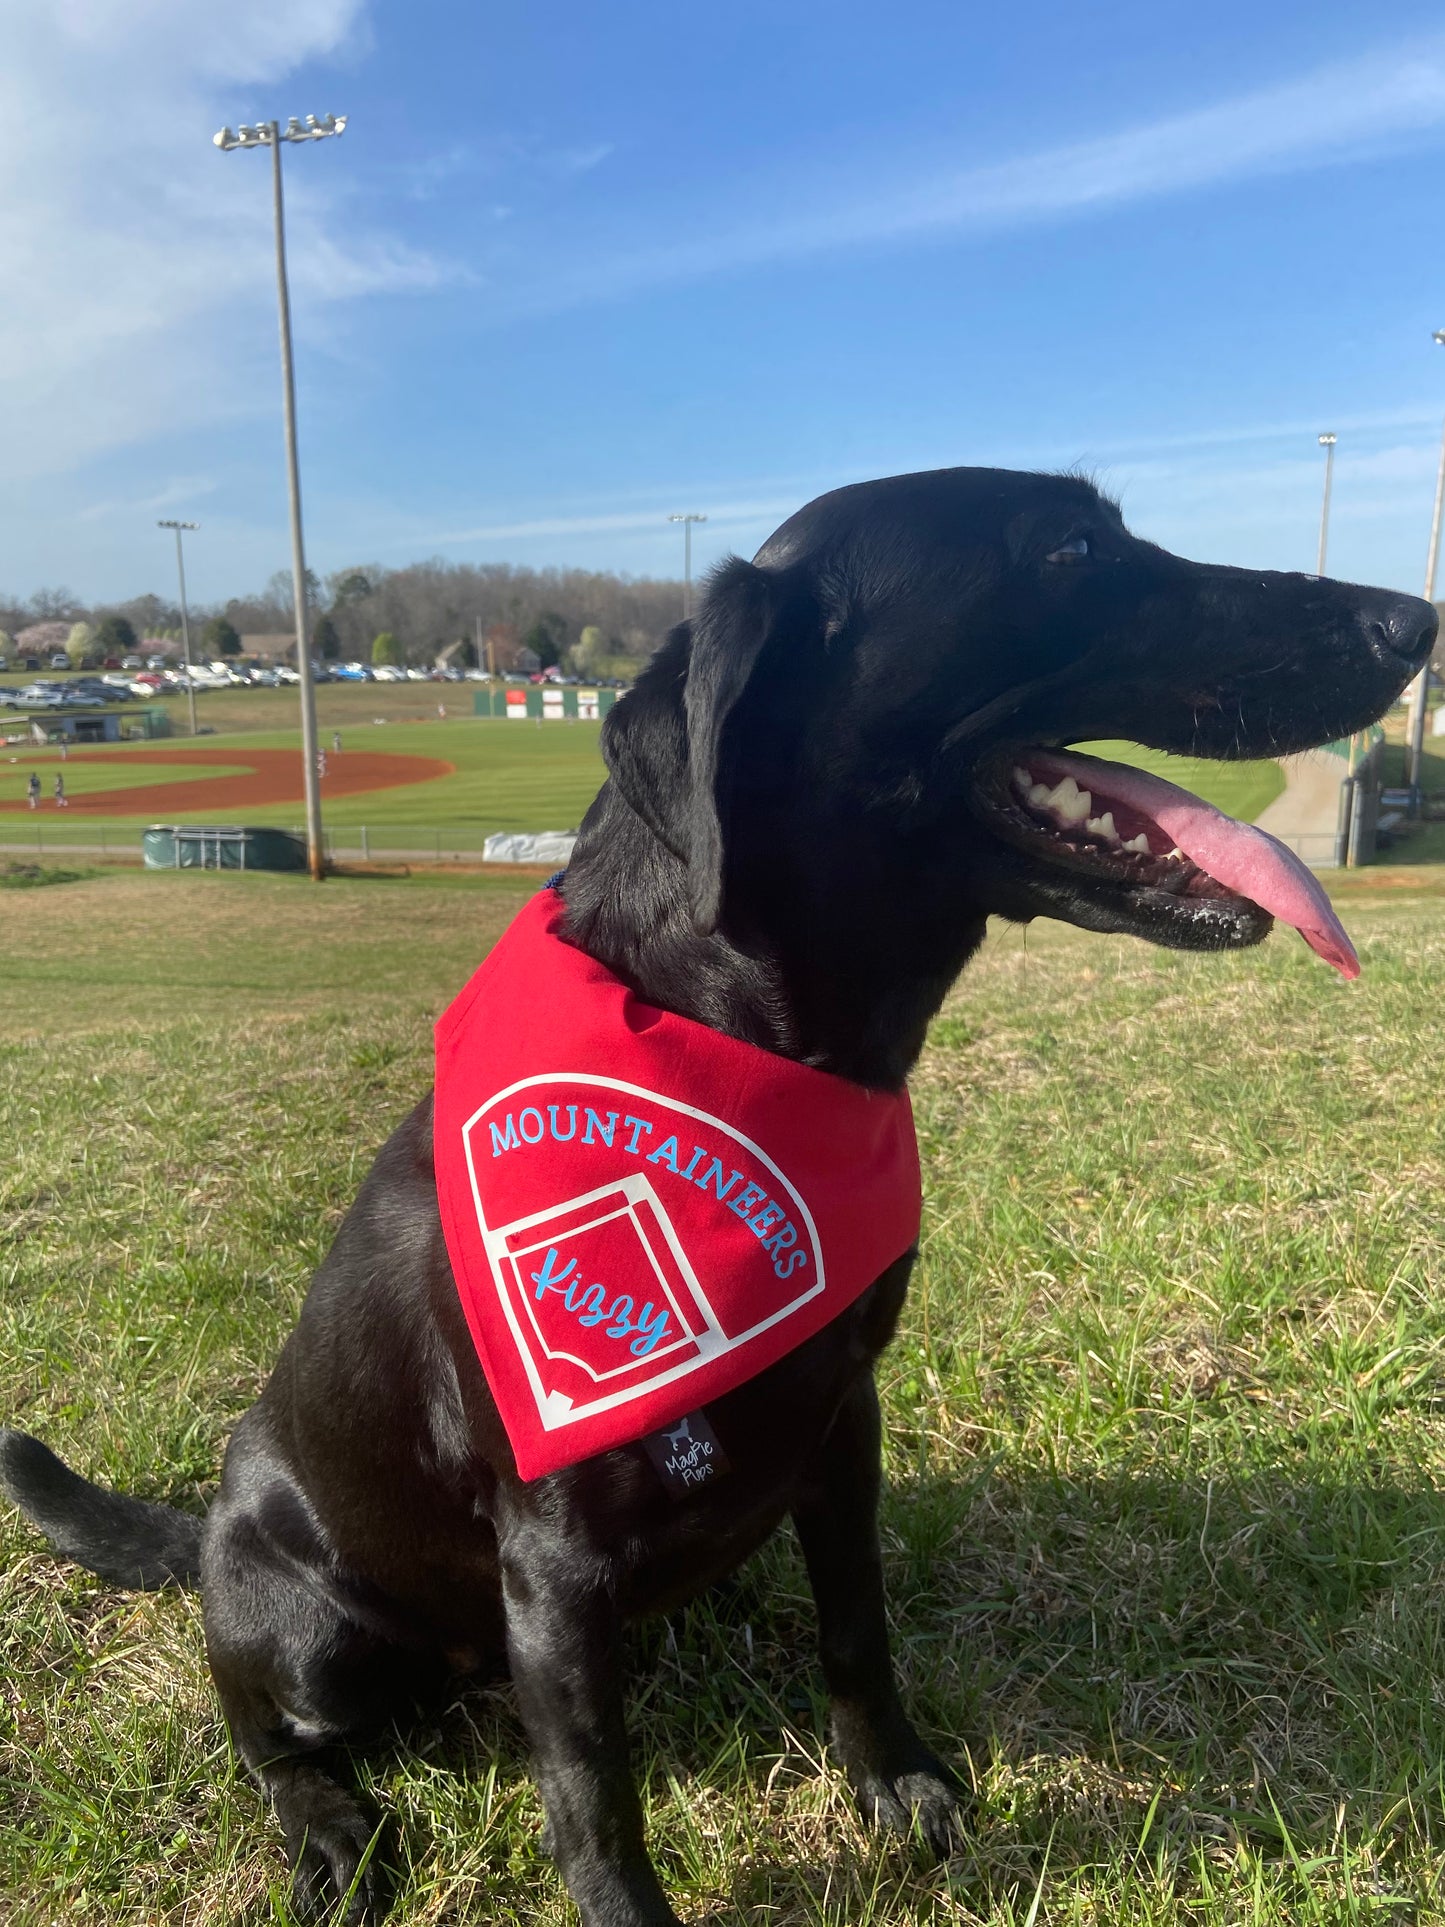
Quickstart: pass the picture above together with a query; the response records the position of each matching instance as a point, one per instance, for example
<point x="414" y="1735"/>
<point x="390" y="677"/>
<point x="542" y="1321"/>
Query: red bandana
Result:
<point x="640" y="1212"/>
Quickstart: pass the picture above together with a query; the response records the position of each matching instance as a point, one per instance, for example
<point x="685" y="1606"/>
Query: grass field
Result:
<point x="1421" y="842"/>
<point x="1166" y="1429"/>
<point x="509" y="776"/>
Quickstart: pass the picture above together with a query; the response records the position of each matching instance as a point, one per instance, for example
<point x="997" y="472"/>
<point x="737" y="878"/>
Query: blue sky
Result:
<point x="574" y="267"/>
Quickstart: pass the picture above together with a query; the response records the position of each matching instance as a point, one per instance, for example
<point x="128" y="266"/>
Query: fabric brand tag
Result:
<point x="686" y="1455"/>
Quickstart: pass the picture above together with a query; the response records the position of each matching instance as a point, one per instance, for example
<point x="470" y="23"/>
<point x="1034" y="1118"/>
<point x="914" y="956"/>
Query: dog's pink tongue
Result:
<point x="1248" y="861"/>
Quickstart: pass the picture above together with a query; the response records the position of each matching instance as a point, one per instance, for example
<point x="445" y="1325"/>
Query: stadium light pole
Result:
<point x="271" y="134"/>
<point x="185" y="618"/>
<point x="1327" y="443"/>
<point x="1415" y="735"/>
<point x="687" y="522"/>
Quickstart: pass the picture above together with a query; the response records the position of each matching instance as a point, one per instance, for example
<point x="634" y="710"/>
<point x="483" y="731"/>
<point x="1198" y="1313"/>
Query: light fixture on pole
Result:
<point x="1415" y="733"/>
<point x="185" y="618"/>
<point x="687" y="522"/>
<point x="271" y="134"/>
<point x="1327" y="443"/>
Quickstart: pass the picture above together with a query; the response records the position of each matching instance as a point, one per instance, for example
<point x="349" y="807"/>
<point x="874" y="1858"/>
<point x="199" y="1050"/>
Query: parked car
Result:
<point x="60" y="660"/>
<point x="132" y="662"/>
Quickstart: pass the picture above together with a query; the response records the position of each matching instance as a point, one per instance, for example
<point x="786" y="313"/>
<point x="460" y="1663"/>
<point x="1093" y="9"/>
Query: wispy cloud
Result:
<point x="134" y="253"/>
<point x="1244" y="492"/>
<point x="719" y="515"/>
<point x="580" y="160"/>
<point x="185" y="489"/>
<point x="1329" y="116"/>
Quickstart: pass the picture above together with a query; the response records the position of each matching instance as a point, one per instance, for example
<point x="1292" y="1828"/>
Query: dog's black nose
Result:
<point x="1401" y="630"/>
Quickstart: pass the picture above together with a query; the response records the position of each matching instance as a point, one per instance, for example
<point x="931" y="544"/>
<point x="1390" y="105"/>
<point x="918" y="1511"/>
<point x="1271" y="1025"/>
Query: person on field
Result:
<point x="321" y="762"/>
<point x="336" y="742"/>
<point x="60" y="798"/>
<point x="32" y="790"/>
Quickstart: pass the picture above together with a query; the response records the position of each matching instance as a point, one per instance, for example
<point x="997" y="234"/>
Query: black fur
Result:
<point x="127" y="1541"/>
<point x="796" y="845"/>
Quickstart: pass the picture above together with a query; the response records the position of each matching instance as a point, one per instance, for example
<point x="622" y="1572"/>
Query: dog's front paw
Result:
<point x="924" y="1802"/>
<point x="332" y="1863"/>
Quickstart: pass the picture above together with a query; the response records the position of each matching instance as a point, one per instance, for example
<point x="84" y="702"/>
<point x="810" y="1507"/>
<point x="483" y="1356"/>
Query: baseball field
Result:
<point x="417" y="780"/>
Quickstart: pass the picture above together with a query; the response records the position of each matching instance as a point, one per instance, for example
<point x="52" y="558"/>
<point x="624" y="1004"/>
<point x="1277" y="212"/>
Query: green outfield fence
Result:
<point x="542" y="702"/>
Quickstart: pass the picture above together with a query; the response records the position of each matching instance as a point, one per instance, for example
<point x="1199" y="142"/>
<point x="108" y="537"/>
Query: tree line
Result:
<point x="590" y="621"/>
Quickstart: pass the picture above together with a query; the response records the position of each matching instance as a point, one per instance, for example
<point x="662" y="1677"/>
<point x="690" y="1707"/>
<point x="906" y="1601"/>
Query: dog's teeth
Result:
<point x="1138" y="845"/>
<point x="1103" y="826"/>
<point x="1070" y="804"/>
<point x="1176" y="855"/>
<point x="1023" y="782"/>
<point x="1039" y="795"/>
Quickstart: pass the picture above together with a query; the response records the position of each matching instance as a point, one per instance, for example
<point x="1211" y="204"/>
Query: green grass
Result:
<point x="1165" y="1429"/>
<point x="508" y="776"/>
<point x="85" y="779"/>
<point x="1239" y="789"/>
<point x="1422" y="842"/>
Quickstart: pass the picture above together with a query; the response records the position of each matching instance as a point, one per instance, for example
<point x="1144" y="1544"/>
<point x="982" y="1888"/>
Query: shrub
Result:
<point x="115" y="637"/>
<point x="220" y="638"/>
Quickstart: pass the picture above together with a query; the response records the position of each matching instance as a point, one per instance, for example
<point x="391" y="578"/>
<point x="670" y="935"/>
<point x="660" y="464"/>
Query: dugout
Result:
<point x="192" y="846"/>
<point x="99" y="725"/>
<point x="77" y="726"/>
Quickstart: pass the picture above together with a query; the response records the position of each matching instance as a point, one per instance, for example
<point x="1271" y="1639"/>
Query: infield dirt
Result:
<point x="274" y="776"/>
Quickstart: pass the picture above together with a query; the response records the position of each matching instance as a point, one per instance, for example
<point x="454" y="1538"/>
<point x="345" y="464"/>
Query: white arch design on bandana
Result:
<point x="554" y="1409"/>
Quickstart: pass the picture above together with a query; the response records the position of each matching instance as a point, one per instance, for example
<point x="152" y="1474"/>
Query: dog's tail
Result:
<point x="128" y="1541"/>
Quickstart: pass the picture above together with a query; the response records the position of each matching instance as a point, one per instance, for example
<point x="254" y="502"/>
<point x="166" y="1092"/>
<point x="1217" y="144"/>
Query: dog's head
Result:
<point x="881" y="700"/>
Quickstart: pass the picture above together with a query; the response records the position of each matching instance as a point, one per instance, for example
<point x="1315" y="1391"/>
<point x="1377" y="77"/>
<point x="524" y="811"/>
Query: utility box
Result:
<point x="188" y="846"/>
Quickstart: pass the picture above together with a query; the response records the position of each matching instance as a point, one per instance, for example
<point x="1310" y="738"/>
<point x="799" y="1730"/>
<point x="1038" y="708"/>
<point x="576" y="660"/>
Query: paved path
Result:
<point x="1306" y="815"/>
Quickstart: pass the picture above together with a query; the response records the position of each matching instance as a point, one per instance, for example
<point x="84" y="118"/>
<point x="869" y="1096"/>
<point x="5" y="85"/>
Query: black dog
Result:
<point x="818" y="792"/>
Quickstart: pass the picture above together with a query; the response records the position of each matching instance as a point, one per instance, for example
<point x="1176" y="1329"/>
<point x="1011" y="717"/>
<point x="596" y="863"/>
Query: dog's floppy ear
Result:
<point x="668" y="745"/>
<point x="644" y="744"/>
<point x="738" y="617"/>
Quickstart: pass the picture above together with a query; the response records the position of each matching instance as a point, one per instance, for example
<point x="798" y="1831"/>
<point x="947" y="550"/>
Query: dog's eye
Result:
<point x="1073" y="550"/>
